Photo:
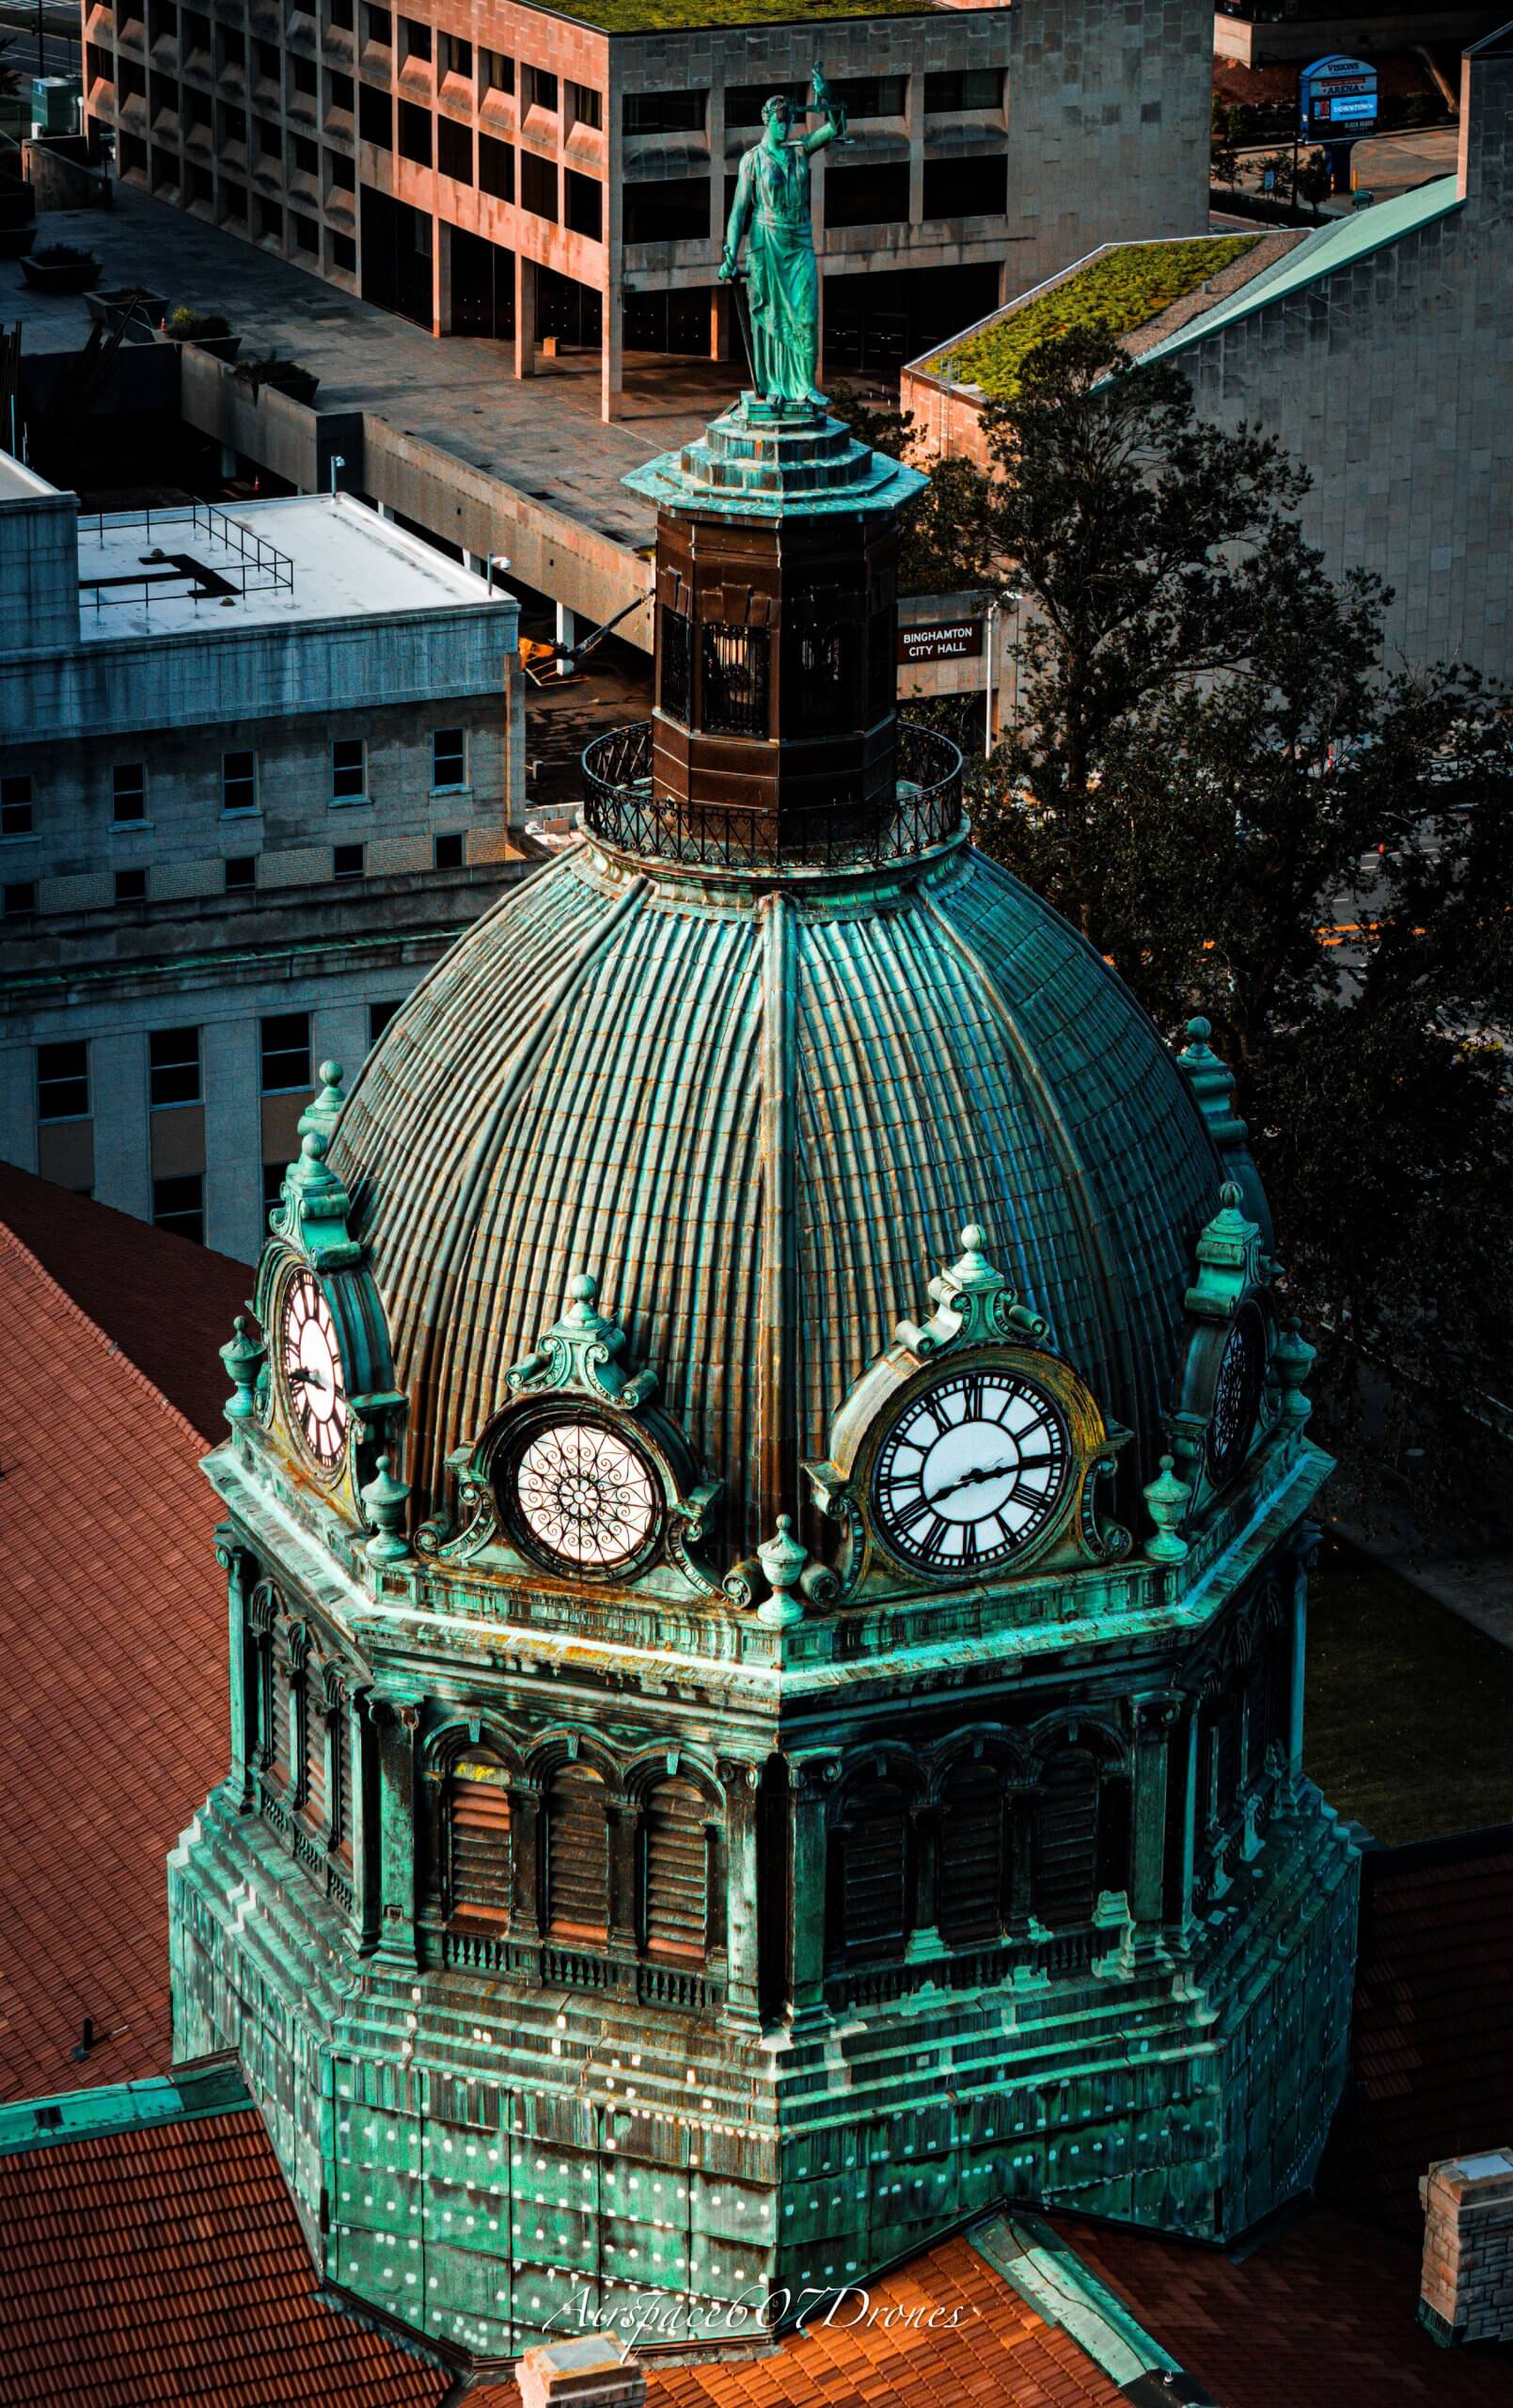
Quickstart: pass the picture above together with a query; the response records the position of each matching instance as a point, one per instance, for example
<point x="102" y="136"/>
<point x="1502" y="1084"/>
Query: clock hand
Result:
<point x="971" y="1480"/>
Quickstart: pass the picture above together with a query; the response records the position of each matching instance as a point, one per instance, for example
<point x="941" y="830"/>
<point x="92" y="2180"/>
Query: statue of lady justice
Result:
<point x="782" y="275"/>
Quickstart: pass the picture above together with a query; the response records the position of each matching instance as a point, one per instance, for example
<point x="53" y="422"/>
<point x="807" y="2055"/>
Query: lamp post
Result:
<point x="500" y="561"/>
<point x="1008" y="599"/>
<point x="337" y="460"/>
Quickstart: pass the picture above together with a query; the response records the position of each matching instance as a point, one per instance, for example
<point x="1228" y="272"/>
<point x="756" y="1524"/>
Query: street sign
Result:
<point x="1336" y="100"/>
<point x="962" y="639"/>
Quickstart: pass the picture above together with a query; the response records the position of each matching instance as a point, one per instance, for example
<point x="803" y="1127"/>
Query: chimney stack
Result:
<point x="592" y="2372"/>
<point x="1466" y="2293"/>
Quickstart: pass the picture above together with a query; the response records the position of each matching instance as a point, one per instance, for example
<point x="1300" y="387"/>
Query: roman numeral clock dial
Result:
<point x="970" y="1473"/>
<point x="315" y="1382"/>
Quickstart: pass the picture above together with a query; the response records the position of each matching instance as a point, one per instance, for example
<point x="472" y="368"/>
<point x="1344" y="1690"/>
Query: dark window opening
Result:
<point x="495" y="73"/>
<point x="585" y="106"/>
<point x="414" y="39"/>
<point x="744" y="102"/>
<point x="675" y="209"/>
<point x="340" y="171"/>
<point x="495" y="168"/>
<point x="965" y="188"/>
<point x="541" y="88"/>
<point x="348" y="768"/>
<point x="344" y="253"/>
<point x="375" y="118"/>
<point x="875" y="1890"/>
<point x="414" y="134"/>
<point x="454" y="150"/>
<point x="378" y="25"/>
<point x="241" y="873"/>
<point x="822" y="670"/>
<point x="582" y="205"/>
<point x="178" y="1204"/>
<point x="173" y="1066"/>
<point x="16" y="807"/>
<point x="970" y="1879"/>
<point x="870" y="95"/>
<point x="877" y="196"/>
<point x="954" y="88"/>
<point x="63" y="1080"/>
<point x="734" y="662"/>
<point x="456" y="57"/>
<point x="446" y="851"/>
<point x="664" y="112"/>
<point x="677" y="661"/>
<point x="348" y="861"/>
<point x="538" y="185"/>
<point x="1065" y="1830"/>
<point x="286" y="1053"/>
<point x="482" y="273"/>
<point x="448" y="757"/>
<point x="18" y="900"/>
<point x="131" y="886"/>
<point x="397" y="266"/>
<point x="306" y="76"/>
<point x="379" y="1016"/>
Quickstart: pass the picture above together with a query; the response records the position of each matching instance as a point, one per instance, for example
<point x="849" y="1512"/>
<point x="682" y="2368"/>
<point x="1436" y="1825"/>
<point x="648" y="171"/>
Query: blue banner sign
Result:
<point x="1336" y="97"/>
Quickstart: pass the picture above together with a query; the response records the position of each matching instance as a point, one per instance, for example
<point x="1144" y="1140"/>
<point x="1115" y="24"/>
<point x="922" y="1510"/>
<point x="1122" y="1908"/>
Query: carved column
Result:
<point x="1021" y="1860"/>
<point x="1304" y="1549"/>
<point x="1183" y="1923"/>
<point x="1155" y="1718"/>
<point x="362" y="1810"/>
<point x="924" y="1939"/>
<point x="241" y="1570"/>
<point x="813" y="1776"/>
<point x="397" y="1791"/>
<point x="740" y="1781"/>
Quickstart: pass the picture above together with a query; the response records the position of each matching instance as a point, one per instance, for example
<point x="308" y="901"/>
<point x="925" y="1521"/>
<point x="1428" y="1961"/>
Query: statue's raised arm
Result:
<point x="771" y="215"/>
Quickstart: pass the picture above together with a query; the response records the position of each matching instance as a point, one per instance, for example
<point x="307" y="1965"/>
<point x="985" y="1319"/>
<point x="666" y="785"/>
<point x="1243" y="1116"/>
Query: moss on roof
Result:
<point x="676" y="16"/>
<point x="1120" y="289"/>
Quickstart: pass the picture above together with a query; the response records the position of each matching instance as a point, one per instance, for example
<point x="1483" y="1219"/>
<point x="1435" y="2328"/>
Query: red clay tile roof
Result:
<point x="1323" y="2312"/>
<point x="1431" y="2035"/>
<point x="165" y="2268"/>
<point x="167" y="1304"/>
<point x="162" y="2267"/>
<point x="113" y="1711"/>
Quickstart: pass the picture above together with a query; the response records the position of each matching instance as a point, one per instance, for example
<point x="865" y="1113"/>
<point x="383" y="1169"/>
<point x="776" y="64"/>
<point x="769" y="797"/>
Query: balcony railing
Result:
<point x="623" y="805"/>
<point x="1059" y="1955"/>
<point x="543" y="1964"/>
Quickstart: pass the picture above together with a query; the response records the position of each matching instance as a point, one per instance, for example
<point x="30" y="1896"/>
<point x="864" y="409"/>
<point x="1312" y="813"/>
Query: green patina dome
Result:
<point x="761" y="1112"/>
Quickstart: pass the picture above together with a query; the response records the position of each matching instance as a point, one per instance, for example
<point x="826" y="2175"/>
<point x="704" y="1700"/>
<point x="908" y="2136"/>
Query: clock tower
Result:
<point x="766" y="1532"/>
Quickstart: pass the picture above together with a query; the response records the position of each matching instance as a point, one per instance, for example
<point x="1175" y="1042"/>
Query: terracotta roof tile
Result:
<point x="113" y="1714"/>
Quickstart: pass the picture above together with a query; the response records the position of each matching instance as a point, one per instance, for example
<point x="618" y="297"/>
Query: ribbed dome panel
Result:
<point x="762" y="1126"/>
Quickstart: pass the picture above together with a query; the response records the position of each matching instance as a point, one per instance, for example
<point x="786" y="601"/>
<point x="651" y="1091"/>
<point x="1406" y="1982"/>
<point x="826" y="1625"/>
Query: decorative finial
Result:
<point x="244" y="1358"/>
<point x="783" y="1558"/>
<point x="1292" y="1359"/>
<point x="1168" y="1499"/>
<point x="324" y="1108"/>
<point x="384" y="1500"/>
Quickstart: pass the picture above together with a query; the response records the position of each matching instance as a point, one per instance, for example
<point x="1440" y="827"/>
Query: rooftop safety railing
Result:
<point x="623" y="805"/>
<point x="241" y="562"/>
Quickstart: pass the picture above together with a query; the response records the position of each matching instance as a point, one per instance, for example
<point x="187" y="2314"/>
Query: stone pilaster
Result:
<point x="813" y="1777"/>
<point x="741" y="1781"/>
<point x="241" y="1570"/>
<point x="397" y="1804"/>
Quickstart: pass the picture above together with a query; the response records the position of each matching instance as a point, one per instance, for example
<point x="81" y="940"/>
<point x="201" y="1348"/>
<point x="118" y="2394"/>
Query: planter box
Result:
<point x="146" y="312"/>
<point x="220" y="346"/>
<point x="61" y="276"/>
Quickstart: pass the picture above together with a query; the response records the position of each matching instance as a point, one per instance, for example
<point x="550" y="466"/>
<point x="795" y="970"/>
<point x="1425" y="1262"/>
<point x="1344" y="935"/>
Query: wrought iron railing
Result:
<point x="623" y="805"/>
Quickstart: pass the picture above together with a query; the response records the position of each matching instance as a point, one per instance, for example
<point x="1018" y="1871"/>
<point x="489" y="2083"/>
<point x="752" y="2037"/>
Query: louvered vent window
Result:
<point x="341" y="1802"/>
<point x="970" y="1873"/>
<point x="577" y="1856"/>
<point x="676" y="1863"/>
<point x="1065" y="1838"/>
<point x="875" y="1870"/>
<point x="479" y="1871"/>
<point x="315" y="1791"/>
<point x="282" y="1701"/>
<point x="733" y="661"/>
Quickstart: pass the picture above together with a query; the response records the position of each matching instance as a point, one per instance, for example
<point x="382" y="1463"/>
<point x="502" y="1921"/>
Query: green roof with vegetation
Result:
<point x="677" y="16"/>
<point x="1120" y="289"/>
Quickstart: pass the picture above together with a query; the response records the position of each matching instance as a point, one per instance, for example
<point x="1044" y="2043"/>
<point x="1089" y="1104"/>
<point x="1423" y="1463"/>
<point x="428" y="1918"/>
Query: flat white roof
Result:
<point x="201" y="567"/>
<point x="20" y="483"/>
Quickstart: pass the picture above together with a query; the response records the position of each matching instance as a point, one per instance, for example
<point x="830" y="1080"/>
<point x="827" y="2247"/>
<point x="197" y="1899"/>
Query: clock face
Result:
<point x="970" y="1472"/>
<point x="314" y="1379"/>
<point x="1236" y="1396"/>
<point x="583" y="1498"/>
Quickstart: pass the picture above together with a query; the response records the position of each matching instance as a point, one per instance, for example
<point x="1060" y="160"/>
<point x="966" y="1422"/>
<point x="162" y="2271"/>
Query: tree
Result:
<point x="948" y="540"/>
<point x="1217" y="776"/>
<point x="1227" y="128"/>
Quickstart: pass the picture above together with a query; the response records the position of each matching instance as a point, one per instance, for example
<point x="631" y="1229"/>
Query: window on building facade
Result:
<point x="342" y="1768"/>
<point x="341" y="93"/>
<point x="446" y="852"/>
<point x="414" y="39"/>
<point x="349" y="770"/>
<point x="877" y="195"/>
<point x="967" y="187"/>
<point x="63" y="1079"/>
<point x="305" y="76"/>
<point x="479" y="1874"/>
<point x="269" y="221"/>
<point x="378" y="26"/>
<point x="375" y="118"/>
<point x="127" y="792"/>
<point x="455" y="150"/>
<point x="495" y="73"/>
<point x="18" y="900"/>
<point x="495" y="168"/>
<point x="676" y="656"/>
<point x="315" y="1802"/>
<point x="269" y="59"/>
<point x="173" y="1066"/>
<point x="414" y="134"/>
<point x="538" y="185"/>
<point x="582" y="205"/>
<point x="343" y="253"/>
<point x="379" y="1016"/>
<point x="348" y="861"/>
<point x="456" y="58"/>
<point x="664" y="112"/>
<point x="676" y="1872"/>
<point x="273" y="1175"/>
<point x="821" y="666"/>
<point x="744" y="102"/>
<point x="178" y="1204"/>
<point x="270" y="141"/>
<point x="970" y="1902"/>
<point x="875" y="1870"/>
<point x="286" y="1053"/>
<point x="232" y="45"/>
<point x="541" y="88"/>
<point x="131" y="886"/>
<point x="871" y="95"/>
<point x="448" y="757"/>
<point x="239" y="781"/>
<point x="1065" y="1839"/>
<point x="306" y="154"/>
<point x="341" y="14"/>
<point x="578" y="1855"/>
<point x="669" y="208"/>
<point x="734" y="663"/>
<point x="340" y="172"/>
<point x="16" y="806"/>
<point x="241" y="873"/>
<point x="954" y="88"/>
<point x="305" y="234"/>
<point x="584" y="104"/>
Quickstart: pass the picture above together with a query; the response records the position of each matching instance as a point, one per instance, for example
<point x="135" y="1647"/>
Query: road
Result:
<point x="60" y="37"/>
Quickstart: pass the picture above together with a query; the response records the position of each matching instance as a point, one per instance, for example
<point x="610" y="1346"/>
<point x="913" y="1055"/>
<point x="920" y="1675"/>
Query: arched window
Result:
<point x="1065" y="1839"/>
<point x="873" y="1906"/>
<point x="476" y="1811"/>
<point x="577" y="1856"/>
<point x="971" y="1864"/>
<point x="313" y="1803"/>
<point x="675" y="1871"/>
